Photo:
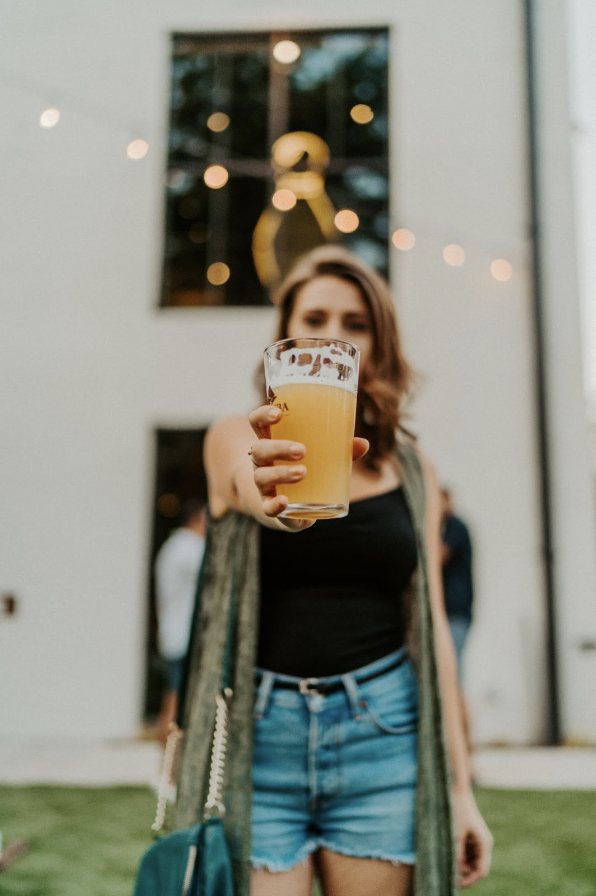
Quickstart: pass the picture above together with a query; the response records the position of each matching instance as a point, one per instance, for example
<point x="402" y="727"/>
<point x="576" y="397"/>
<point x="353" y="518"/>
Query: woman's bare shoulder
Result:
<point x="431" y="485"/>
<point x="428" y="466"/>
<point x="408" y="442"/>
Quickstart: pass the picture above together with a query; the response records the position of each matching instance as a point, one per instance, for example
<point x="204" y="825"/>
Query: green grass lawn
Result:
<point x="545" y="842"/>
<point x="85" y="841"/>
<point x="88" y="841"/>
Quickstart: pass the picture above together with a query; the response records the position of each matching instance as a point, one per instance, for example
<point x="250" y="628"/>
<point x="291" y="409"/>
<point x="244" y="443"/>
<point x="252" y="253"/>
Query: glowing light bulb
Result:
<point x="49" y="118"/>
<point x="218" y="122"/>
<point x="347" y="221"/>
<point x="199" y="233"/>
<point x="218" y="273"/>
<point x="137" y="149"/>
<point x="501" y="270"/>
<point x="403" y="239"/>
<point x="286" y="51"/>
<point x="454" y="255"/>
<point x="361" y="113"/>
<point x="216" y="177"/>
<point x="283" y="200"/>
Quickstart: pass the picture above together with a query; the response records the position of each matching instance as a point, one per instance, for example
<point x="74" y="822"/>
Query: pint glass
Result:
<point x="314" y="382"/>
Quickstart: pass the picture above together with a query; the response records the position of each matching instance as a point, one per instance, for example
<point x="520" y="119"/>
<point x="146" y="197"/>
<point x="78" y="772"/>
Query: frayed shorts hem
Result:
<point x="277" y="865"/>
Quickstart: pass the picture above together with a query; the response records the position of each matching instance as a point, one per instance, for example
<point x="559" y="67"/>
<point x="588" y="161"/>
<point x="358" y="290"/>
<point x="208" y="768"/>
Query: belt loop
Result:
<point x="351" y="687"/>
<point x="263" y="693"/>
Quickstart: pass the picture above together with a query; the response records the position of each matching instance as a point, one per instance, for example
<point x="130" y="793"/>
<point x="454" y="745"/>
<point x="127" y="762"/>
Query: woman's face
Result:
<point x="331" y="308"/>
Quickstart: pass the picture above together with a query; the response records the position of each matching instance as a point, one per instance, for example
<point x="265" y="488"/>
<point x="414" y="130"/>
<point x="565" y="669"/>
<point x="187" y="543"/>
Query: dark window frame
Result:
<point x="260" y="168"/>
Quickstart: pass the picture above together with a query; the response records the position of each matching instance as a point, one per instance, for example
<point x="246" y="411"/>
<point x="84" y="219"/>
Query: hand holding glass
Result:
<point x="314" y="382"/>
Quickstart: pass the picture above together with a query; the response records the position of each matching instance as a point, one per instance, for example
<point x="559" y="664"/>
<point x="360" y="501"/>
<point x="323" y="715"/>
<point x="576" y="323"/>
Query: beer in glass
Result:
<point x="314" y="382"/>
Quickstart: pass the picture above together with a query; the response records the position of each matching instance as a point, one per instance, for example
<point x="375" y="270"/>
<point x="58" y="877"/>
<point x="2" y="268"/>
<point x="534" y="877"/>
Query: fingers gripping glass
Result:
<point x="314" y="382"/>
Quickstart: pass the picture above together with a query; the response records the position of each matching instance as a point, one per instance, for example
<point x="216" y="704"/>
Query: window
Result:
<point x="277" y="143"/>
<point x="179" y="477"/>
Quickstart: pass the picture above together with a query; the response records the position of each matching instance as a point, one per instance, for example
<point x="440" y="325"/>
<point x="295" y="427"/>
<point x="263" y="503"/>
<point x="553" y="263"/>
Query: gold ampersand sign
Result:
<point x="301" y="214"/>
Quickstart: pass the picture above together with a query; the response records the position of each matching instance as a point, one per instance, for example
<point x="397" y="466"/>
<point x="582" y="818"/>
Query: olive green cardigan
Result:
<point x="232" y="566"/>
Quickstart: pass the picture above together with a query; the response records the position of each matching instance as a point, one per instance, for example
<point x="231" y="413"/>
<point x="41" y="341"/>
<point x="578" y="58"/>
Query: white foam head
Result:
<point x="326" y="363"/>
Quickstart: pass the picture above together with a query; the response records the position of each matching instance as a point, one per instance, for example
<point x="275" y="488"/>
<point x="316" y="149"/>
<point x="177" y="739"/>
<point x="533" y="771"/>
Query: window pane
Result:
<point x="231" y="100"/>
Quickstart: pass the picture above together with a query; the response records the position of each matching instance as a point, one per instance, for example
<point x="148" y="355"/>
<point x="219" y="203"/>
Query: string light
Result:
<point x="286" y="51"/>
<point x="347" y="221"/>
<point x="403" y="239"/>
<point x="361" y="113"/>
<point x="218" y="273"/>
<point x="137" y="149"/>
<point x="218" y="122"/>
<point x="454" y="255"/>
<point x="501" y="270"/>
<point x="49" y="118"/>
<point x="216" y="177"/>
<point x="283" y="200"/>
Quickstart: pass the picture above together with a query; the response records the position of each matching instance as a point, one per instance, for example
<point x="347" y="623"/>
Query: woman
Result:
<point x="344" y="778"/>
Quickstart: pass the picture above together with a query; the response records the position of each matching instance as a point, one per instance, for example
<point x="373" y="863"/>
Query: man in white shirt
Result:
<point x="177" y="567"/>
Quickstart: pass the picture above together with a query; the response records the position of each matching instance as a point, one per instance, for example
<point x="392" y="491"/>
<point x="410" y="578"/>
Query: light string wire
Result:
<point x="422" y="232"/>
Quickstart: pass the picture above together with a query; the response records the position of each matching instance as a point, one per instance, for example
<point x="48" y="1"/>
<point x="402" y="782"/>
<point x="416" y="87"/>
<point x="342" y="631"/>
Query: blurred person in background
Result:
<point x="458" y="588"/>
<point x="336" y="760"/>
<point x="177" y="568"/>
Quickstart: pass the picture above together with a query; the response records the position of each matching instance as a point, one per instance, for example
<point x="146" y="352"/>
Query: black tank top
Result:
<point x="331" y="595"/>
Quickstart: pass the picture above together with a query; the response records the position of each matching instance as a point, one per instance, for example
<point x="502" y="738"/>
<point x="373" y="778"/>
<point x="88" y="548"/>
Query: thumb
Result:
<point x="359" y="449"/>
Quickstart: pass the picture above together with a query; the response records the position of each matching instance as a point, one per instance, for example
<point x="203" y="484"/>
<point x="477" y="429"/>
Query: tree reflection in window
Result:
<point x="231" y="100"/>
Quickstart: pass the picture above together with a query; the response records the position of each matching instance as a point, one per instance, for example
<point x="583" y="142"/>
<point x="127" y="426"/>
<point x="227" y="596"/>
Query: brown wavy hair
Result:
<point x="387" y="380"/>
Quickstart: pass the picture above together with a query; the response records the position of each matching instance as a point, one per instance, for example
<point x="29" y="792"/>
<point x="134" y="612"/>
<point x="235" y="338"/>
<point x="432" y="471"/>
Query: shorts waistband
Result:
<point x="330" y="684"/>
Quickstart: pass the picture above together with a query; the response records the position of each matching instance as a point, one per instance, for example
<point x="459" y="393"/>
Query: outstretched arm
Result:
<point x="247" y="468"/>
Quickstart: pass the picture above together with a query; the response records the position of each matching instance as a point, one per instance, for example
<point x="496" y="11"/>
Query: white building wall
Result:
<point x="581" y="15"/>
<point x="572" y="494"/>
<point x="463" y="179"/>
<point x="89" y="366"/>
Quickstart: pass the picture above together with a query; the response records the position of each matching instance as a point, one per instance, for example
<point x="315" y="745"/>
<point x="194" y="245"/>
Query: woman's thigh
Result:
<point x="295" y="882"/>
<point x="348" y="876"/>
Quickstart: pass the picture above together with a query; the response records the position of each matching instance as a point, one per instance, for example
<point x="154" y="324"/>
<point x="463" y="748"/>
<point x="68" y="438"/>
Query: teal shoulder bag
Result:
<point x="194" y="861"/>
<point x="191" y="862"/>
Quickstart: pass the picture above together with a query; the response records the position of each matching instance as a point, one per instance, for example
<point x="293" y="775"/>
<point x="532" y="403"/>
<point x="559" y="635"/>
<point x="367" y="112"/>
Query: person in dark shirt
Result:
<point x="457" y="575"/>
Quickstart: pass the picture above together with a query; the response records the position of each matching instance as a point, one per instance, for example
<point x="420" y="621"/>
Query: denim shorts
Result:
<point x="336" y="771"/>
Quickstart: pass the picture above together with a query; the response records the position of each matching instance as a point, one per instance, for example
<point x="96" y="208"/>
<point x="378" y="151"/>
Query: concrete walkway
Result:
<point x="137" y="762"/>
<point x="536" y="768"/>
<point x="95" y="764"/>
